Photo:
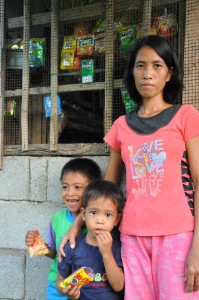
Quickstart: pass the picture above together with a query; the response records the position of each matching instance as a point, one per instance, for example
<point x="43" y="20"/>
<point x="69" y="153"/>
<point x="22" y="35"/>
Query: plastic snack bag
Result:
<point x="129" y="104"/>
<point x="127" y="37"/>
<point x="10" y="109"/>
<point x="80" y="277"/>
<point x="100" y="37"/>
<point x="85" y="45"/>
<point x="37" y="52"/>
<point x="38" y="247"/>
<point x="167" y="24"/>
<point x="87" y="70"/>
<point x="47" y="105"/>
<point x="68" y="52"/>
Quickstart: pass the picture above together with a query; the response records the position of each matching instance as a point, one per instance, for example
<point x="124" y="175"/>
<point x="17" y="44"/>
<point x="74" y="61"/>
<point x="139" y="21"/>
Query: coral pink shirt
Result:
<point x="159" y="190"/>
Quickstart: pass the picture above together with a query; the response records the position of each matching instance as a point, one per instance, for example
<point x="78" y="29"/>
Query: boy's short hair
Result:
<point x="105" y="189"/>
<point x="85" y="166"/>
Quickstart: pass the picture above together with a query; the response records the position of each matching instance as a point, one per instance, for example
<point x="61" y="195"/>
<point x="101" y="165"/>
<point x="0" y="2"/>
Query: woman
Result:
<point x="159" y="145"/>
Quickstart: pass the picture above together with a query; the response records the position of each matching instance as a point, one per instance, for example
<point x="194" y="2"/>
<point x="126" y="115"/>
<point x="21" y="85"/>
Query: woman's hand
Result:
<point x="192" y="271"/>
<point x="70" y="236"/>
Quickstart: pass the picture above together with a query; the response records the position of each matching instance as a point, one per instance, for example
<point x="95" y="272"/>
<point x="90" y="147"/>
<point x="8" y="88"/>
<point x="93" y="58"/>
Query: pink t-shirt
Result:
<point x="159" y="190"/>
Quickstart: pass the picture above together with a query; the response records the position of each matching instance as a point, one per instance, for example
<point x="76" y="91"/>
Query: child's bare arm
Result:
<point x="114" y="273"/>
<point x="71" y="293"/>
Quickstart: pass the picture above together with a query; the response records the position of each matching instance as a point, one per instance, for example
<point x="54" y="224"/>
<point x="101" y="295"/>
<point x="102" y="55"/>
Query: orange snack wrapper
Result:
<point x="38" y="247"/>
<point x="80" y="277"/>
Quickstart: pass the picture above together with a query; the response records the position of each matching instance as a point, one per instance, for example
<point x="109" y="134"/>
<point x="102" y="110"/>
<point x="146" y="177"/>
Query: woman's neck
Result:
<point x="149" y="108"/>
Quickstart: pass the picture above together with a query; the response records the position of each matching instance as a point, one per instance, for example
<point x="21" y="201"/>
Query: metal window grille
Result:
<point x="74" y="53"/>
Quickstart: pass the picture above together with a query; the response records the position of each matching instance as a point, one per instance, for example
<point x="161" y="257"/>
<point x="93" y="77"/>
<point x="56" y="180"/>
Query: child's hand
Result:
<point x="72" y="293"/>
<point x="104" y="240"/>
<point x="30" y="236"/>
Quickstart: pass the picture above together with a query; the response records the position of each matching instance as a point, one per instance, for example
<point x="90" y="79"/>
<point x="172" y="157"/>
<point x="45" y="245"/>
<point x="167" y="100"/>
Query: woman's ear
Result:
<point x="82" y="210"/>
<point x="169" y="74"/>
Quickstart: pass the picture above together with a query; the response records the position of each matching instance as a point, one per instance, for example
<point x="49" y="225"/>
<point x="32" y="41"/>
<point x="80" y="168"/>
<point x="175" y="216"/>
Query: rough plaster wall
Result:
<point x="30" y="192"/>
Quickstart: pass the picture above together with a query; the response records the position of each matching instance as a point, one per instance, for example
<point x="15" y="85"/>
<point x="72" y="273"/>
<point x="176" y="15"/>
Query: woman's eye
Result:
<point x="139" y="66"/>
<point x="157" y="66"/>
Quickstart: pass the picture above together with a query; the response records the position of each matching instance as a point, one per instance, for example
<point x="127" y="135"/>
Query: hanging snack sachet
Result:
<point x="68" y="52"/>
<point x="47" y="105"/>
<point x="10" y="108"/>
<point x="85" y="45"/>
<point x="87" y="70"/>
<point x="129" y="104"/>
<point x="37" y="52"/>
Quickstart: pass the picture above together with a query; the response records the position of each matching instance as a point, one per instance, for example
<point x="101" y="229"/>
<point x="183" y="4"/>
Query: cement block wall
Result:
<point x="30" y="192"/>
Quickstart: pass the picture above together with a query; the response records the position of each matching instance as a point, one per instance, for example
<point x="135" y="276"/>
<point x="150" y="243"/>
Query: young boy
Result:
<point x="75" y="176"/>
<point x="97" y="249"/>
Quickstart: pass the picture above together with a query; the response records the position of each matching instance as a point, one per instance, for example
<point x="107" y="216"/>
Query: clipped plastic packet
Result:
<point x="80" y="277"/>
<point x="38" y="247"/>
<point x="129" y="104"/>
<point x="10" y="109"/>
<point x="87" y="70"/>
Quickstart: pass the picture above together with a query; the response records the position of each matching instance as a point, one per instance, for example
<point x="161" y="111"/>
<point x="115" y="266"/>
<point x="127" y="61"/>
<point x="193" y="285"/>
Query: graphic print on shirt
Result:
<point x="187" y="182"/>
<point x="99" y="281"/>
<point x="147" y="168"/>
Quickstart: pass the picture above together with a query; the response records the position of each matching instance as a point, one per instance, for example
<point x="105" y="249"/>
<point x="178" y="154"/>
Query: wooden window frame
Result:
<point x="53" y="17"/>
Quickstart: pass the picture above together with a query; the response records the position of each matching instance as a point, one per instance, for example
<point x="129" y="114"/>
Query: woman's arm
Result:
<point x="113" y="171"/>
<point x="192" y="264"/>
<point x="71" y="235"/>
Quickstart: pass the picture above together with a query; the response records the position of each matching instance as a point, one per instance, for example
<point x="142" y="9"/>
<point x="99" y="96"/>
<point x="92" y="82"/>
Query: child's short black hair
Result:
<point x="105" y="189"/>
<point x="85" y="166"/>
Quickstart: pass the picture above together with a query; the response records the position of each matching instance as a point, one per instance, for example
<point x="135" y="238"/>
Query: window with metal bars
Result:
<point x="65" y="62"/>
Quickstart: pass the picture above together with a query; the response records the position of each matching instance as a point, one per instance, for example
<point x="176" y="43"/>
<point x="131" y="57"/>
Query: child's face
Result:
<point x="100" y="215"/>
<point x="73" y="186"/>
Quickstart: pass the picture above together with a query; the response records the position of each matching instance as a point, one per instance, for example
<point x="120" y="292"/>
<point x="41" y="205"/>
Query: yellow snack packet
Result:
<point x="80" y="277"/>
<point x="38" y="247"/>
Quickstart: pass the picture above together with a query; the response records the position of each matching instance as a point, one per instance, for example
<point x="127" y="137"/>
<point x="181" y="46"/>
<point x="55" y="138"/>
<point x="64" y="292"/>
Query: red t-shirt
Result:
<point x="159" y="190"/>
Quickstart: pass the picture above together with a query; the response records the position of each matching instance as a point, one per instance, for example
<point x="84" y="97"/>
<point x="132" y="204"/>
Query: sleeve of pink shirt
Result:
<point x="190" y="122"/>
<point x="111" y="138"/>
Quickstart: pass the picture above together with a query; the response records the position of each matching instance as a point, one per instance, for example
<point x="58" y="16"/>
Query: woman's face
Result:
<point x="150" y="73"/>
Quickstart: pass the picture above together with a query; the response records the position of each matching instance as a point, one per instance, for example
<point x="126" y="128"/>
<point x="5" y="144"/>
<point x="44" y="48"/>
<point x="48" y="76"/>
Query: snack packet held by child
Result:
<point x="80" y="277"/>
<point x="38" y="247"/>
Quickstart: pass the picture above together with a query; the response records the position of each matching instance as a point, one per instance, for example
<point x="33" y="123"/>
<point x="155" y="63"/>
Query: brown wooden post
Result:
<point x="146" y="20"/>
<point x="2" y="77"/>
<point x="25" y="77"/>
<point x="54" y="76"/>
<point x="109" y="62"/>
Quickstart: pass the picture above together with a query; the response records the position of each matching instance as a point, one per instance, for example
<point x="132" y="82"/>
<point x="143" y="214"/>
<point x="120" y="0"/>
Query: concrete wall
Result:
<point x="30" y="192"/>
